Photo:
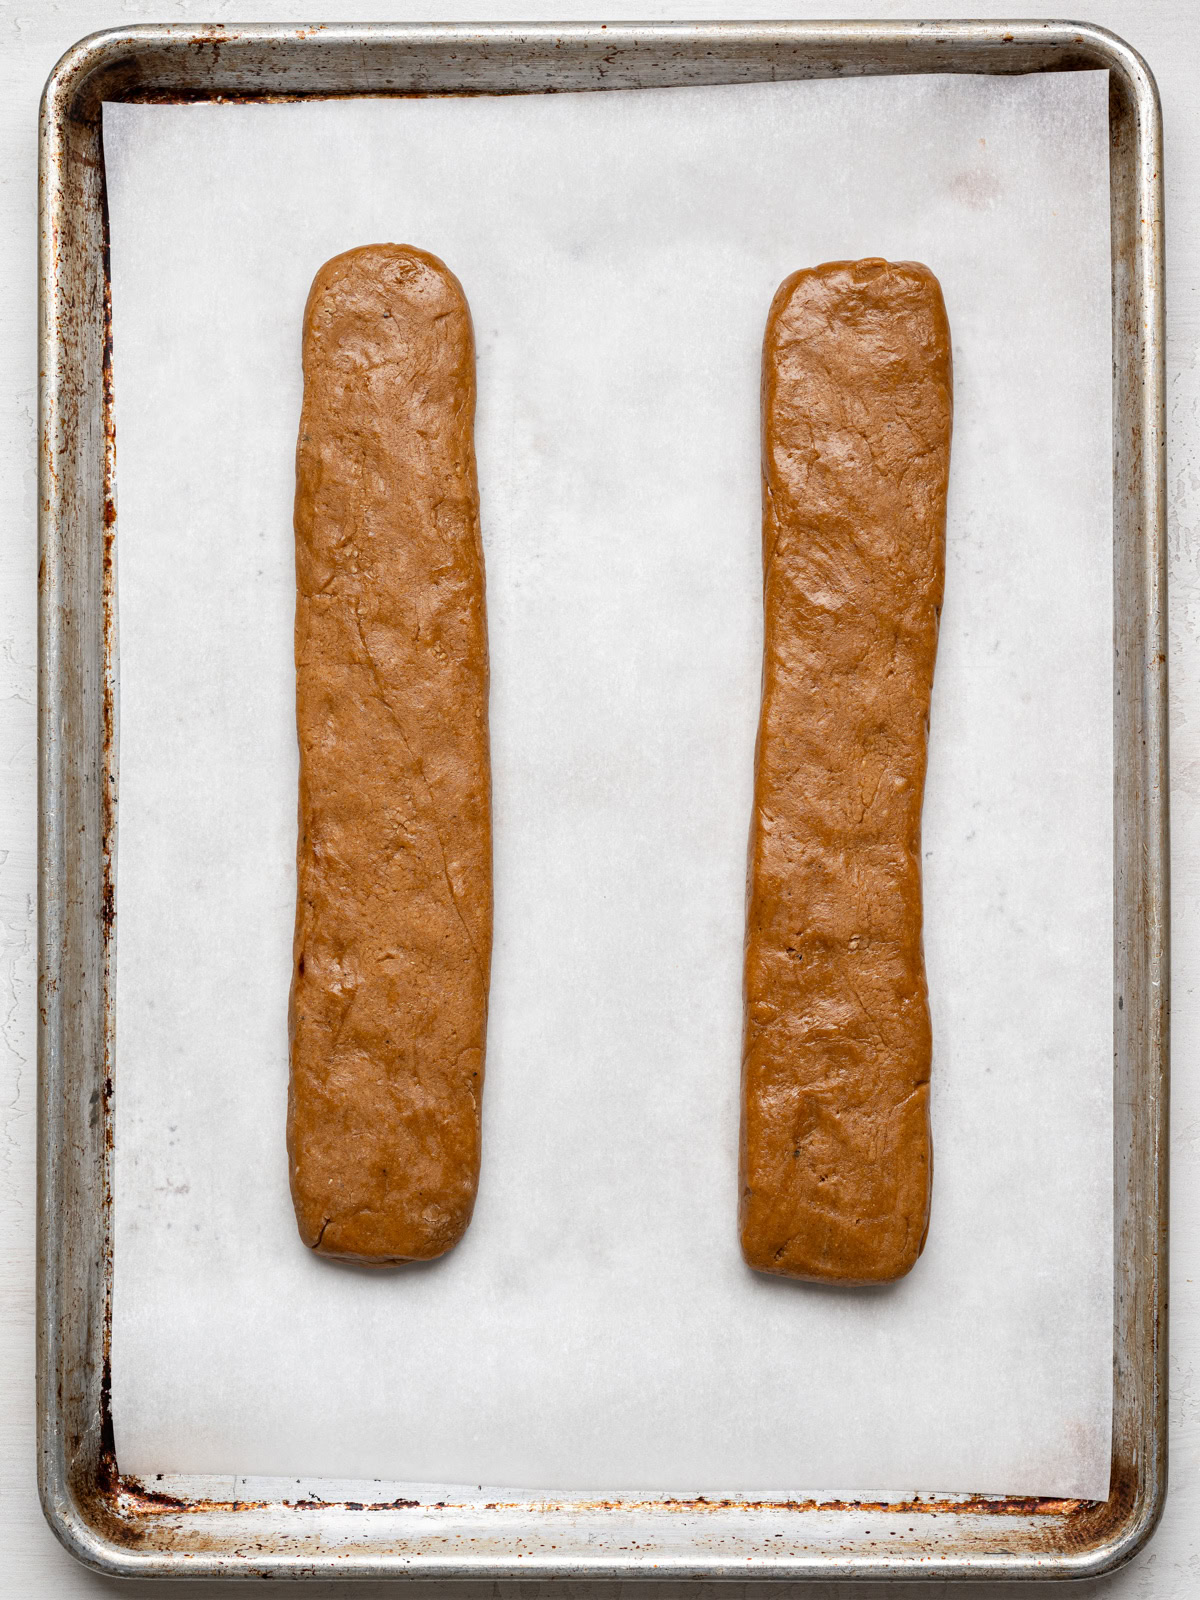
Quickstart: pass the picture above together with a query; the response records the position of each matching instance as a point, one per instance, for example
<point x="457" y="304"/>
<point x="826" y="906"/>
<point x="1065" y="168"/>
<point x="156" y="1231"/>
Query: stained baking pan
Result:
<point x="113" y="1522"/>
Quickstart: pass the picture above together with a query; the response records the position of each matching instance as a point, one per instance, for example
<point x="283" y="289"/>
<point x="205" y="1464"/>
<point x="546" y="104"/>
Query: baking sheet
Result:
<point x="596" y="1328"/>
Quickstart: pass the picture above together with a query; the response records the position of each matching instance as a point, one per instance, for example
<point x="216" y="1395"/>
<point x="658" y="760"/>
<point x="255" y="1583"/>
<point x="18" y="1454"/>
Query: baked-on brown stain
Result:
<point x="856" y="404"/>
<point x="394" y="903"/>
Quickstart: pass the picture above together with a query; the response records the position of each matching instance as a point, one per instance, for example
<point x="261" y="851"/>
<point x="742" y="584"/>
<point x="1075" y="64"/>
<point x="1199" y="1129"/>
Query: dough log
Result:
<point x="394" y="903"/>
<point x="835" y="1152"/>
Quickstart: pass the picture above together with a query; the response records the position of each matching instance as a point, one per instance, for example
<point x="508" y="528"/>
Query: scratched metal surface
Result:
<point x="115" y="1523"/>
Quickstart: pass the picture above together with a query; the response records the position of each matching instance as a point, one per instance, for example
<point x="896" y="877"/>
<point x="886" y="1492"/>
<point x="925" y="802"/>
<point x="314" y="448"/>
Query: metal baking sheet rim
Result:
<point x="118" y="1525"/>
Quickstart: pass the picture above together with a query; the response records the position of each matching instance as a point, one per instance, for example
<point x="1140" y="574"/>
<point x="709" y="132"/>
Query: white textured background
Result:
<point x="30" y="40"/>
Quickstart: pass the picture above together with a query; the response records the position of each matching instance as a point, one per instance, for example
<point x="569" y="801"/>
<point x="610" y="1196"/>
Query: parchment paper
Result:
<point x="596" y="1329"/>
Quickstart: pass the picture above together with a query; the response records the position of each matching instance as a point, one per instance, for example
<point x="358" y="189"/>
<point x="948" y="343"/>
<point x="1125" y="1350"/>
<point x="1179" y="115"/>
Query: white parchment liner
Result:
<point x="596" y="1329"/>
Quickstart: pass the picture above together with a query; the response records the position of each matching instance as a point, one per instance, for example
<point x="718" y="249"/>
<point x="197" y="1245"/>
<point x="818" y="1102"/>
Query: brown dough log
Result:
<point x="394" y="904"/>
<point x="835" y="1153"/>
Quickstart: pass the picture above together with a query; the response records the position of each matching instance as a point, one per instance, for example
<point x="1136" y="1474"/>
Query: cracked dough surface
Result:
<point x="836" y="1157"/>
<point x="394" y="893"/>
